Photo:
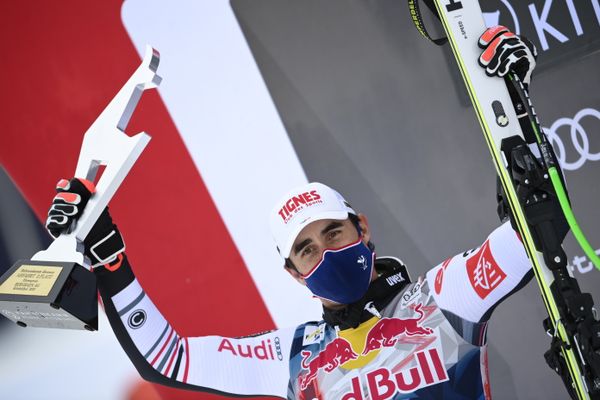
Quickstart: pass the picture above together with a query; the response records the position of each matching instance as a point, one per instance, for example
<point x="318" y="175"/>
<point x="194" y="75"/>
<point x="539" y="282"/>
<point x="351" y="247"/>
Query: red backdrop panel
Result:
<point x="62" y="63"/>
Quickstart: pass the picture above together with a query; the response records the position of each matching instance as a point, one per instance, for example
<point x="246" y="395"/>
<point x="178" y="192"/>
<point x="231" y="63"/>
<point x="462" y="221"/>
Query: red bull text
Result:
<point x="382" y="383"/>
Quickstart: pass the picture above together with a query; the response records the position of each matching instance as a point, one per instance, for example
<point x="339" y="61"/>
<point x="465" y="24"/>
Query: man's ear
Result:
<point x="364" y="227"/>
<point x="296" y="275"/>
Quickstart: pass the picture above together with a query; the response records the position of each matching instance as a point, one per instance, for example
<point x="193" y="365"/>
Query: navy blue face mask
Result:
<point x="343" y="275"/>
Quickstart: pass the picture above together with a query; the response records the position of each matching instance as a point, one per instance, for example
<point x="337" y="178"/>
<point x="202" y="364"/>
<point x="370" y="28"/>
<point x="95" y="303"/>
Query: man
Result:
<point x="382" y="335"/>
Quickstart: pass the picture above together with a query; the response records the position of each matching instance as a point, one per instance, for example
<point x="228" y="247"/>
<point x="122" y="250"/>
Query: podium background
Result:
<point x="258" y="97"/>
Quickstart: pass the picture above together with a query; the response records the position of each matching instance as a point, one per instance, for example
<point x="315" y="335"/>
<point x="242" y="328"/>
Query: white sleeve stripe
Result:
<point x="134" y="303"/>
<point x="164" y="332"/>
<point x="187" y="360"/>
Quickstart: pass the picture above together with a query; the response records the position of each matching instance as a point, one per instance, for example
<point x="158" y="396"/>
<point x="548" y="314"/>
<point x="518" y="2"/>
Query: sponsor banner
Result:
<point x="560" y="29"/>
<point x="576" y="139"/>
<point x="582" y="264"/>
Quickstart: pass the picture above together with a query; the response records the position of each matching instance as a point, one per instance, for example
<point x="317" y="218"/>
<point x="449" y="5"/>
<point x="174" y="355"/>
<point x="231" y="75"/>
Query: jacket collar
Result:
<point x="393" y="277"/>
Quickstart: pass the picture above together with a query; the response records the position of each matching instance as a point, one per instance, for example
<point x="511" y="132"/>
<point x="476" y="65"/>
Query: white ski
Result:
<point x="463" y="22"/>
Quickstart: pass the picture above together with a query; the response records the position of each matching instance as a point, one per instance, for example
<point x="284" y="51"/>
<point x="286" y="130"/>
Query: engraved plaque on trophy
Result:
<point x="50" y="294"/>
<point x="54" y="289"/>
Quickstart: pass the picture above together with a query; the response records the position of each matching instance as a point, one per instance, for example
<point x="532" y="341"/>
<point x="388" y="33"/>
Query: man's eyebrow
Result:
<point x="298" y="248"/>
<point x="331" y="226"/>
<point x="301" y="245"/>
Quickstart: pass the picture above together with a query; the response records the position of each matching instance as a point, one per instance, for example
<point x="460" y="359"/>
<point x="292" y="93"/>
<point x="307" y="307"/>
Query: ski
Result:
<point x="532" y="189"/>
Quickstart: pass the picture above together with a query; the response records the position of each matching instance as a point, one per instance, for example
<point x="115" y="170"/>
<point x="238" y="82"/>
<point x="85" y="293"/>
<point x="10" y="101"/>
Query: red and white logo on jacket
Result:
<point x="484" y="272"/>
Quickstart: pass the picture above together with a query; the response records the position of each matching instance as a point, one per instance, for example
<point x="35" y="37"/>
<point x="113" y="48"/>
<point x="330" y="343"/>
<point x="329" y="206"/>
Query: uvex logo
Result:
<point x="261" y="351"/>
<point x="394" y="279"/>
<point x="384" y="384"/>
<point x="297" y="203"/>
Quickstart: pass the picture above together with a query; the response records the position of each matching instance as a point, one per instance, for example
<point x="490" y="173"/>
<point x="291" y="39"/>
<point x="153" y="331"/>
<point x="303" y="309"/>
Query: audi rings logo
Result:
<point x="278" y="349"/>
<point x="136" y="319"/>
<point x="579" y="139"/>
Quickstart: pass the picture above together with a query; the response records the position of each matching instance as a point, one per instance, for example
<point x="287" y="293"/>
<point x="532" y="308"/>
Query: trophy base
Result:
<point x="49" y="294"/>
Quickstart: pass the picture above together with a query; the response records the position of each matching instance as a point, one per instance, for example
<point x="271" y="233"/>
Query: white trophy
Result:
<point x="53" y="289"/>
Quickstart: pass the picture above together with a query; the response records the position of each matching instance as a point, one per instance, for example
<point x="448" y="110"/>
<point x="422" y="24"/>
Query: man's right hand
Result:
<point x="68" y="204"/>
<point x="104" y="244"/>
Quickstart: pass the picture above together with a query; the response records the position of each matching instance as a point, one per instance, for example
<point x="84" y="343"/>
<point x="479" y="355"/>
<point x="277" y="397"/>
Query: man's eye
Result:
<point x="306" y="251"/>
<point x="333" y="234"/>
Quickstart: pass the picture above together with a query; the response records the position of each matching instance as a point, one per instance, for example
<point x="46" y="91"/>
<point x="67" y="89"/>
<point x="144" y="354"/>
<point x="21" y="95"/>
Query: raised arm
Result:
<point x="255" y="365"/>
<point x="249" y="366"/>
<point x="471" y="284"/>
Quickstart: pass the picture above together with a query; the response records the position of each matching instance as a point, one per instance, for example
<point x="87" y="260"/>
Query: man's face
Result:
<point x="318" y="236"/>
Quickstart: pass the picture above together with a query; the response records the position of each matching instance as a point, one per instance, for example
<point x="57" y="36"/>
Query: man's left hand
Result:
<point x="506" y="52"/>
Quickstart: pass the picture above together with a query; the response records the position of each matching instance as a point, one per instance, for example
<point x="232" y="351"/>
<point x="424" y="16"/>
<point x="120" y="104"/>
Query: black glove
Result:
<point x="506" y="52"/>
<point x="104" y="243"/>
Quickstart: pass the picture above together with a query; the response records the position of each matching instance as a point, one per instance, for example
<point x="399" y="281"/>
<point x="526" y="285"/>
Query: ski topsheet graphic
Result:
<point x="533" y="193"/>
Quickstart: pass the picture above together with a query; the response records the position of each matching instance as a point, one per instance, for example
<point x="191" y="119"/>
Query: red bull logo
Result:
<point x="336" y="353"/>
<point x="385" y="333"/>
